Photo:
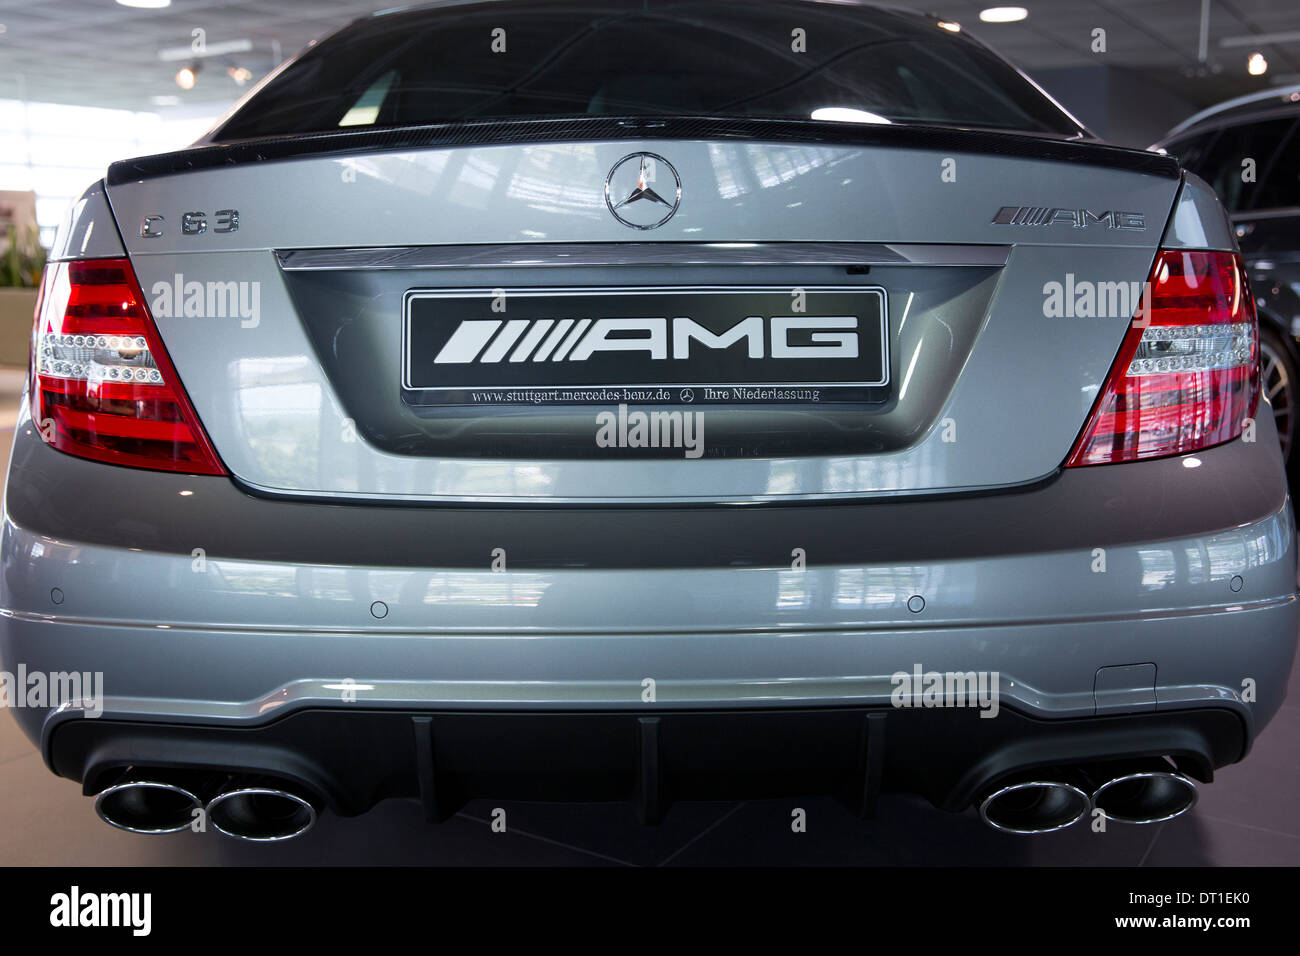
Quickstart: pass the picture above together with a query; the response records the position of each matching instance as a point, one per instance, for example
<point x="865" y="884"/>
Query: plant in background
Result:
<point x="24" y="259"/>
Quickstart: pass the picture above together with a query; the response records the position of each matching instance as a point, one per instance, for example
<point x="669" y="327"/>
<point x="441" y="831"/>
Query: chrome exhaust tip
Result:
<point x="147" y="806"/>
<point x="261" y="814"/>
<point x="1034" y="806"/>
<point x="1145" y="796"/>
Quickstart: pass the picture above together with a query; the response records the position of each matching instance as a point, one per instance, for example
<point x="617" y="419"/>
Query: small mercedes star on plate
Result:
<point x="648" y="402"/>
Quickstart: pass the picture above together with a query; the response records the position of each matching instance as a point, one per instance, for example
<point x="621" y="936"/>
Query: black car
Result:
<point x="1248" y="150"/>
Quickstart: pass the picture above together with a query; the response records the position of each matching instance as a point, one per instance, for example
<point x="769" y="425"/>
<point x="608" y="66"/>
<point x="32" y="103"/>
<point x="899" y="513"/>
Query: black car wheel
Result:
<point x="1279" y="378"/>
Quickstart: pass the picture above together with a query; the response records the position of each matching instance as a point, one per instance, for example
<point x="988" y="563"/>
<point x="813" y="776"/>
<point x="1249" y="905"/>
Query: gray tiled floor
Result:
<point x="1247" y="817"/>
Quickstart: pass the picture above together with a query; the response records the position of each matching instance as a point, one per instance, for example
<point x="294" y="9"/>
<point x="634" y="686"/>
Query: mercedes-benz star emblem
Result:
<point x="644" y="180"/>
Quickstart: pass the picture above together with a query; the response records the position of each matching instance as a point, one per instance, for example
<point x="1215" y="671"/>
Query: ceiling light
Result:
<point x="950" y="26"/>
<point x="165" y="100"/>
<point x="186" y="76"/>
<point x="239" y="74"/>
<point x="1003" y="14"/>
<point x="146" y="4"/>
<point x="1256" y="65"/>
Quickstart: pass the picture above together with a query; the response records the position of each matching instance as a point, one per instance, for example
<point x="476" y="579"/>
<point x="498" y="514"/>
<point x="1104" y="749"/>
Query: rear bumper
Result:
<point x="216" y="616"/>
<point x="443" y="758"/>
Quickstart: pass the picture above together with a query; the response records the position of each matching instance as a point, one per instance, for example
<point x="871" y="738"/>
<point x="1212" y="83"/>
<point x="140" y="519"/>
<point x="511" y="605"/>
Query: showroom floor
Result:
<point x="1247" y="817"/>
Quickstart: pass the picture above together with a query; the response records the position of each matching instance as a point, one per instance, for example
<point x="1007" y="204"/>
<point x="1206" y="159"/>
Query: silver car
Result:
<point x="645" y="401"/>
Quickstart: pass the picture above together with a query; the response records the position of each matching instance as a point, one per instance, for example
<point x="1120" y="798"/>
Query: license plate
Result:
<point x="670" y="345"/>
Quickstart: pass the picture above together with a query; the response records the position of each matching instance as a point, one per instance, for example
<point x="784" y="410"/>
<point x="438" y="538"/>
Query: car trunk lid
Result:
<point x="298" y="295"/>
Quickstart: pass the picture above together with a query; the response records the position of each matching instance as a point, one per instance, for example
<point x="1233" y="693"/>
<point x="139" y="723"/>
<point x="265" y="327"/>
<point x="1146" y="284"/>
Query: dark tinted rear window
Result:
<point x="686" y="58"/>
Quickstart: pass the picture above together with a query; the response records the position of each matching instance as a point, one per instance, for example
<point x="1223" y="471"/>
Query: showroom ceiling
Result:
<point x="1160" y="38"/>
<point x="98" y="52"/>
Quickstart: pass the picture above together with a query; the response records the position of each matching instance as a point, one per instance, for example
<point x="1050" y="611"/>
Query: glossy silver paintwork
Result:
<point x="1199" y="220"/>
<point x="262" y="638"/>
<point x="242" y="641"/>
<point x="739" y="192"/>
<point x="262" y="390"/>
<point x="88" y="231"/>
<point x="1128" y="686"/>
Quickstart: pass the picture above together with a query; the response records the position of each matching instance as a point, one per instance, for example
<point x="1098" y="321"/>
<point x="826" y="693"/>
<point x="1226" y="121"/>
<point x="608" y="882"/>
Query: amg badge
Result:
<point x="1059" y="216"/>
<point x="711" y="343"/>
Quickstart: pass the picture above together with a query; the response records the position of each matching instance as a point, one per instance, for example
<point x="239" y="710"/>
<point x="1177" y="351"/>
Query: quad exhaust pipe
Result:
<point x="1145" y="792"/>
<point x="147" y="805"/>
<point x="262" y="811"/>
<point x="262" y="814"/>
<point x="170" y="802"/>
<point x="1034" y="805"/>
<point x="1139" y="791"/>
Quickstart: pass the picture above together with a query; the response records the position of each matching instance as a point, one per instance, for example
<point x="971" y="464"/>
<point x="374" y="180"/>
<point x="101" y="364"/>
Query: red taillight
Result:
<point x="102" y="386"/>
<point x="1188" y="376"/>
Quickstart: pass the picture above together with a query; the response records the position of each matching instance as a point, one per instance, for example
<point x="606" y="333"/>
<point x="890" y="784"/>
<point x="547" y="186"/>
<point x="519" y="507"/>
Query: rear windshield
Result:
<point x="514" y="60"/>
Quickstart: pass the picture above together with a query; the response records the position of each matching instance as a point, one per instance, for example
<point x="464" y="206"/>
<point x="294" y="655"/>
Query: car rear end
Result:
<point x="647" y="402"/>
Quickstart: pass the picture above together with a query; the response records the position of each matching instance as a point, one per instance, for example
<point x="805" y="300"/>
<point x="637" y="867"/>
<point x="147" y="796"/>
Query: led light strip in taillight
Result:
<point x="1187" y="374"/>
<point x="102" y="386"/>
<point x="105" y="358"/>
<point x="1196" y="348"/>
